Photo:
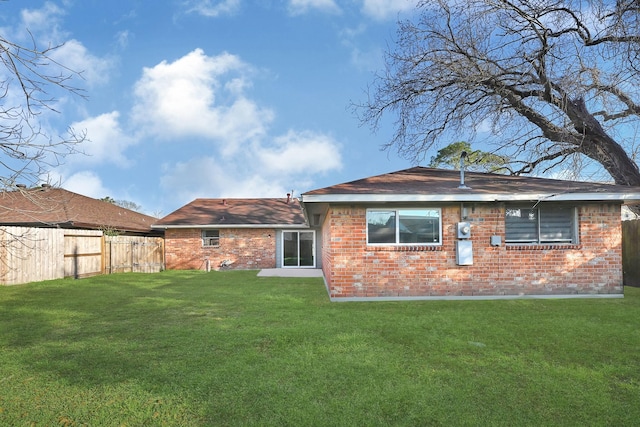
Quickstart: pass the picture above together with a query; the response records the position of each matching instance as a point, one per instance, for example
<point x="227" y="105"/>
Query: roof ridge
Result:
<point x="62" y="206"/>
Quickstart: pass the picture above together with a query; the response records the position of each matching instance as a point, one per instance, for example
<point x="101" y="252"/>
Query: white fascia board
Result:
<point x="378" y="198"/>
<point x="217" y="226"/>
<point x="595" y="197"/>
<point x="382" y="198"/>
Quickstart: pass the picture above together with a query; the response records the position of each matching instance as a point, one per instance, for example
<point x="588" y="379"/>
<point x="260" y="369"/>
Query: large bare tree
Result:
<point x="555" y="81"/>
<point x="30" y="78"/>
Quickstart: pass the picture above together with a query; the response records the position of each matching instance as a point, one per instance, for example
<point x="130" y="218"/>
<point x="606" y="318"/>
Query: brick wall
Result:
<point x="593" y="266"/>
<point x="248" y="249"/>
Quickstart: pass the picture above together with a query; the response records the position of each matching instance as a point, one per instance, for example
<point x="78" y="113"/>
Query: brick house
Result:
<point x="238" y="233"/>
<point x="424" y="233"/>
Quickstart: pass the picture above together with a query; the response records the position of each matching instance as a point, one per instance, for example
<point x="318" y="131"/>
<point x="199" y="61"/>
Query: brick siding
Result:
<point x="593" y="266"/>
<point x="248" y="249"/>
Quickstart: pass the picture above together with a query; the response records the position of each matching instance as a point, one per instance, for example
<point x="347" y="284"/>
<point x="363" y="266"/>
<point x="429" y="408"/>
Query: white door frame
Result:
<point x="313" y="248"/>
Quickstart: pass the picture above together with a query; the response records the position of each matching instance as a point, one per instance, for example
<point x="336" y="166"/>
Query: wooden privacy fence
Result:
<point x="631" y="252"/>
<point x="83" y="253"/>
<point x="34" y="254"/>
<point x="30" y="254"/>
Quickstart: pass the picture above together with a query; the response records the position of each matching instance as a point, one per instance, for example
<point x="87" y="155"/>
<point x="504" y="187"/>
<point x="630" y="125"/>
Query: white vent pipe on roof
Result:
<point x="463" y="155"/>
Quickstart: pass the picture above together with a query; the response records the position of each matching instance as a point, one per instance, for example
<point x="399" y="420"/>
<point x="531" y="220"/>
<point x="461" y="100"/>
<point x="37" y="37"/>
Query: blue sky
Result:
<point x="214" y="98"/>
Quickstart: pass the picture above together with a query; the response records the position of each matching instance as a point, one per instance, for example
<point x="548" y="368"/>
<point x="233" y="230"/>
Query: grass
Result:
<point x="229" y="348"/>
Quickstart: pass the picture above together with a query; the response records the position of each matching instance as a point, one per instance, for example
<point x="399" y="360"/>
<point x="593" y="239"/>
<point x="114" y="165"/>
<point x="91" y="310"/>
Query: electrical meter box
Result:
<point x="464" y="252"/>
<point x="464" y="230"/>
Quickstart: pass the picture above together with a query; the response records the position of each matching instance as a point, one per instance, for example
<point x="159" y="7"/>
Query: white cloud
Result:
<point x="209" y="177"/>
<point x="74" y="56"/>
<point x="86" y="183"/>
<point x="362" y="57"/>
<point x="300" y="153"/>
<point x="386" y="9"/>
<point x="122" y="38"/>
<point x="371" y="60"/>
<point x="200" y="100"/>
<point x="68" y="55"/>
<point x="188" y="98"/>
<point x="485" y="126"/>
<point x="298" y="7"/>
<point x="213" y="9"/>
<point x="106" y="140"/>
<point x="260" y="171"/>
<point x="44" y="20"/>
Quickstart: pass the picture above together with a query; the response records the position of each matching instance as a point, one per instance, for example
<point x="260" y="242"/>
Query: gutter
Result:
<point x="221" y="226"/>
<point x="491" y="197"/>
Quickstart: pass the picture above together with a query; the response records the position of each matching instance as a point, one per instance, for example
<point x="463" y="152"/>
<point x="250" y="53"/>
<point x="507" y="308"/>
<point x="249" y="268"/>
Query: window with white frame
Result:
<point x="211" y="238"/>
<point x="403" y="227"/>
<point x="541" y="224"/>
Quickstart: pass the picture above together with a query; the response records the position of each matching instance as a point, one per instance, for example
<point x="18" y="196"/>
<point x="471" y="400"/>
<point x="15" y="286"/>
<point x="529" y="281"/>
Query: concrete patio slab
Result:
<point x="290" y="272"/>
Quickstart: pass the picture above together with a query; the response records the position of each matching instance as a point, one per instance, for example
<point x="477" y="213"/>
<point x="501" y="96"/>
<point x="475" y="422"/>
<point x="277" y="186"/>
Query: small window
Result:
<point x="403" y="226"/>
<point x="543" y="224"/>
<point x="211" y="238"/>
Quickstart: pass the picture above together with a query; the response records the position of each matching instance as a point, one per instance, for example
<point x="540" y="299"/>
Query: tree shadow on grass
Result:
<point x="100" y="331"/>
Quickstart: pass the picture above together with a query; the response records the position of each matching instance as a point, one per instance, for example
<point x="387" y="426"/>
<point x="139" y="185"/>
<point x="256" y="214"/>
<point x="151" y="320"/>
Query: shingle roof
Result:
<point x="48" y="206"/>
<point x="420" y="183"/>
<point x="267" y="212"/>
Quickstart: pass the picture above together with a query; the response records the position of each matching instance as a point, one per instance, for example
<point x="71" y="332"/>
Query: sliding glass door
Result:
<point x="298" y="249"/>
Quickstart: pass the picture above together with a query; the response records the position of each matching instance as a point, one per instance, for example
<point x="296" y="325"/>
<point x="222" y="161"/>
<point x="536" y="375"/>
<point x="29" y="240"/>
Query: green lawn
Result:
<point x="229" y="348"/>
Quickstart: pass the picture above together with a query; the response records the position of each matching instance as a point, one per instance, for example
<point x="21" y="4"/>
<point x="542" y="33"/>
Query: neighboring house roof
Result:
<point x="427" y="184"/>
<point x="55" y="207"/>
<point x="236" y="213"/>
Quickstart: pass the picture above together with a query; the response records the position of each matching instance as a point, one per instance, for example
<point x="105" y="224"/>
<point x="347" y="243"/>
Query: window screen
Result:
<point x="543" y="224"/>
<point x="210" y="237"/>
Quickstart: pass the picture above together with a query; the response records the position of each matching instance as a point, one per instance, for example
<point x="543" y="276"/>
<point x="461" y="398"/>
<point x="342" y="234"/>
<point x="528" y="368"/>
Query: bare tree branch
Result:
<point x="29" y="77"/>
<point x="556" y="79"/>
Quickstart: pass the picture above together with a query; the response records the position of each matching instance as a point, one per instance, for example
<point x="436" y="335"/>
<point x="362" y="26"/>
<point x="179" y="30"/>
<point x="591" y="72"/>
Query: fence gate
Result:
<point x="133" y="254"/>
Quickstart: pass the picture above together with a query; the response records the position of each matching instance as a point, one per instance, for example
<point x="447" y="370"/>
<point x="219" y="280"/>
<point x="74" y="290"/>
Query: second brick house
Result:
<point x="420" y="233"/>
<point x="239" y="234"/>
